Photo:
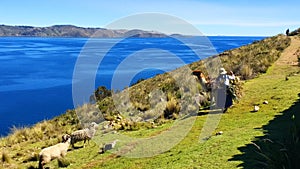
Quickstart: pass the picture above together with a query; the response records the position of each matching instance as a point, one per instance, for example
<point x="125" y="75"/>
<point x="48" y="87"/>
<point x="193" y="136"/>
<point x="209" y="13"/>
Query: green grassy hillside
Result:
<point x="240" y="145"/>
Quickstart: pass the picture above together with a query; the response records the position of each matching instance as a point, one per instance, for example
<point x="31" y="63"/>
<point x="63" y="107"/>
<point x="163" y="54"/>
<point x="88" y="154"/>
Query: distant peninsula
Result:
<point x="73" y="31"/>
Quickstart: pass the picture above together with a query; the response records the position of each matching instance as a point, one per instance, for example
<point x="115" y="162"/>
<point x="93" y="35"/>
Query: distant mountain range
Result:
<point x="73" y="31"/>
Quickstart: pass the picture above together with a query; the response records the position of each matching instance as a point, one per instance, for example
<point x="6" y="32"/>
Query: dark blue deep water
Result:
<point x="36" y="74"/>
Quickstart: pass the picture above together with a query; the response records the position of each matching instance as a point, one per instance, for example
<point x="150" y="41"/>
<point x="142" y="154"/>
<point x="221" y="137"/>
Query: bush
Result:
<point x="246" y="72"/>
<point x="172" y="109"/>
<point x="101" y="93"/>
<point x="5" y="158"/>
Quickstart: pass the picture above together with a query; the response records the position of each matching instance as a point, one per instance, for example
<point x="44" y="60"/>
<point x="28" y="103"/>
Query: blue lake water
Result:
<point x="37" y="73"/>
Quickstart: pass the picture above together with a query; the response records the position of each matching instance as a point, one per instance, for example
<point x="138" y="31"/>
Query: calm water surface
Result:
<point x="37" y="73"/>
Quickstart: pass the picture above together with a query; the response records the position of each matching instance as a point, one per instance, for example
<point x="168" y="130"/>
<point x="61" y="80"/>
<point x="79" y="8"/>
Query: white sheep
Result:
<point x="53" y="152"/>
<point x="84" y="134"/>
<point x="108" y="146"/>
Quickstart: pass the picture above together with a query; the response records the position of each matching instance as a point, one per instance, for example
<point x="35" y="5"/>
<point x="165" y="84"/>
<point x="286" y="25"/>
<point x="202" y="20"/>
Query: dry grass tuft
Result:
<point x="172" y="109"/>
<point x="5" y="158"/>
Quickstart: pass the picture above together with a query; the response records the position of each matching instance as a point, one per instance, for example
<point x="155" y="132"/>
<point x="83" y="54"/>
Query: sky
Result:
<point x="211" y="17"/>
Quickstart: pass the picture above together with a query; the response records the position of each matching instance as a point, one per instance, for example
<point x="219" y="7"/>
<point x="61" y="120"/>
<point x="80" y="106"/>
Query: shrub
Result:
<point x="19" y="135"/>
<point x="102" y="92"/>
<point x="169" y="86"/>
<point x="141" y="107"/>
<point x="5" y="158"/>
<point x="172" y="108"/>
<point x="246" y="71"/>
<point x="106" y="107"/>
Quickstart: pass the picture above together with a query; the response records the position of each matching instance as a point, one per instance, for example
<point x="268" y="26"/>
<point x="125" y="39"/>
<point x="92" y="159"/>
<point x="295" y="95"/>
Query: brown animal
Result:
<point x="205" y="82"/>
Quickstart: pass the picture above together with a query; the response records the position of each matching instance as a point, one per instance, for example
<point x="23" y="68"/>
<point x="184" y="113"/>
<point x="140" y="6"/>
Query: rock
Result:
<point x="265" y="102"/>
<point x="256" y="108"/>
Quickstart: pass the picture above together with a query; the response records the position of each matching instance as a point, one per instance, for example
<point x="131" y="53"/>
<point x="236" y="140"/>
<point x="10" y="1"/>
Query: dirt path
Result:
<point x="289" y="56"/>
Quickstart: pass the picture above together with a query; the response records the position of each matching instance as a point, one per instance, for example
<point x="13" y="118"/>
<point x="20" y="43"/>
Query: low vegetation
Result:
<point x="251" y="60"/>
<point x="27" y="142"/>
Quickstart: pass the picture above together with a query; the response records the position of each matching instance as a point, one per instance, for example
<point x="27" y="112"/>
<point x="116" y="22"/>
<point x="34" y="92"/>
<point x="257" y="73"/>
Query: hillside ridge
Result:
<point x="73" y="31"/>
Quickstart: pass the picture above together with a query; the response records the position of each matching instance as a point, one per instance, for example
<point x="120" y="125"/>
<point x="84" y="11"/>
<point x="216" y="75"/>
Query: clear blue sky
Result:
<point x="211" y="17"/>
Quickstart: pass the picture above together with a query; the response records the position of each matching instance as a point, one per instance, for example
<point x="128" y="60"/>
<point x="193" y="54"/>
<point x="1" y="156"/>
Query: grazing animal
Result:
<point x="53" y="152"/>
<point x="205" y="83"/>
<point x="108" y="146"/>
<point x="219" y="133"/>
<point x="84" y="134"/>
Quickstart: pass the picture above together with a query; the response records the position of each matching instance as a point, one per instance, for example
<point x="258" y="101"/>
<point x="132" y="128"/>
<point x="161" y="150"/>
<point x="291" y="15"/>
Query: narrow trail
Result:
<point x="289" y="56"/>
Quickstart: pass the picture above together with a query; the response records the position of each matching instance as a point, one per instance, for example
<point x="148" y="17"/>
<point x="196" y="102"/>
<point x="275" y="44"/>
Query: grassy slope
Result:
<point x="239" y="125"/>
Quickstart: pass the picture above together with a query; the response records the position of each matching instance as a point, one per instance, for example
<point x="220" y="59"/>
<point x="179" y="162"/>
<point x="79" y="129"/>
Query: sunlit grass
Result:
<point x="239" y="126"/>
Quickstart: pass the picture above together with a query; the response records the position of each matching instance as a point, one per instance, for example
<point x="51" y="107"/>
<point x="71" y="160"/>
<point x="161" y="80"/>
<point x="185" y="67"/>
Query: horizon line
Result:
<point x="100" y="27"/>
